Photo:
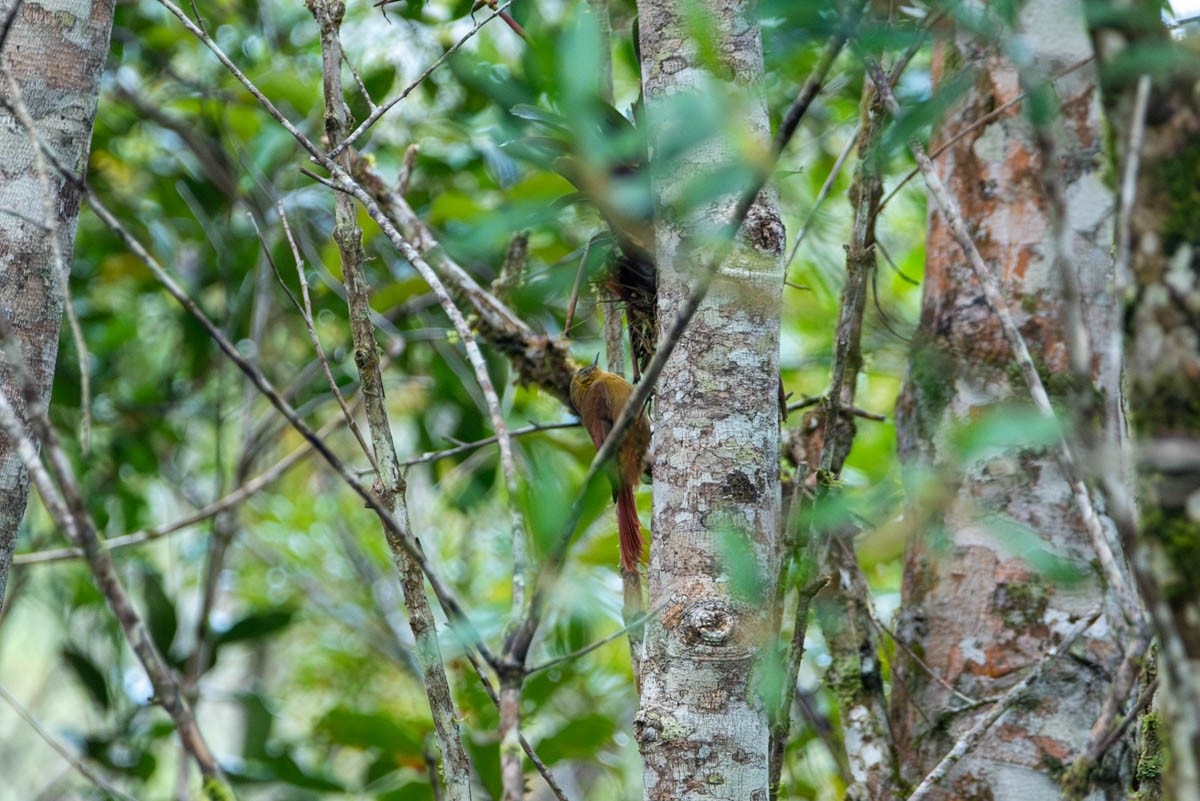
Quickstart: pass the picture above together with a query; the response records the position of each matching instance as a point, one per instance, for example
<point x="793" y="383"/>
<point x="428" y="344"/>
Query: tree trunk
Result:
<point x="55" y="59"/>
<point x="1000" y="564"/>
<point x="702" y="727"/>
<point x="1161" y="244"/>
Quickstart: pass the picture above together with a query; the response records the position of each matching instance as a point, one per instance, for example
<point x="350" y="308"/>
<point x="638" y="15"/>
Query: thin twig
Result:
<point x="587" y="649"/>
<point x="379" y="111"/>
<point x="304" y="306"/>
<point x="376" y="629"/>
<point x="513" y="269"/>
<point x="1121" y="276"/>
<point x="976" y="125"/>
<point x="470" y="446"/>
<point x="933" y="674"/>
<point x="362" y="87"/>
<point x="224" y="503"/>
<point x="1102" y="735"/>
<point x="1114" y="480"/>
<point x="779" y="718"/>
<point x="813" y="400"/>
<point x="575" y="286"/>
<point x="63" y="750"/>
<point x="1133" y="156"/>
<point x="406" y="168"/>
<point x="540" y="765"/>
<point x="826" y="187"/>
<point x="1143" y="702"/>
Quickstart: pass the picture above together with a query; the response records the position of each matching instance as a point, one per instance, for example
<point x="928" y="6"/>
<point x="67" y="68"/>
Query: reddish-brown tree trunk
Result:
<point x="999" y="565"/>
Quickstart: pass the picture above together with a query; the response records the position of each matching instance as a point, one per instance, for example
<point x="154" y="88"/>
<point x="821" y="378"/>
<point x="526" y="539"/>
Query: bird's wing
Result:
<point x="601" y="421"/>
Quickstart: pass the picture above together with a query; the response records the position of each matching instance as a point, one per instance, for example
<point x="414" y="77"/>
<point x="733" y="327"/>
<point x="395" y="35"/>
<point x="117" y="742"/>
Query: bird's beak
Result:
<point x="596" y="361"/>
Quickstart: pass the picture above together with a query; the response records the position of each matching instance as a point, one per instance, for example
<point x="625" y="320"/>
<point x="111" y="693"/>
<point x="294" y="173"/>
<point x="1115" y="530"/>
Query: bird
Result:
<point x="599" y="397"/>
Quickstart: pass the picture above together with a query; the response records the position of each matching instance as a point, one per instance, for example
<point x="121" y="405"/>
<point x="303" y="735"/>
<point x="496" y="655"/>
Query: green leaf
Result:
<point x="539" y="115"/>
<point x="283" y="768"/>
<point x="410" y="788"/>
<point x="1036" y="549"/>
<point x="581" y="737"/>
<point x="88" y="674"/>
<point x="256" y="625"/>
<point x="256" y="725"/>
<point x="122" y="757"/>
<point x="160" y="611"/>
<point x="1002" y="429"/>
<point x="377" y="730"/>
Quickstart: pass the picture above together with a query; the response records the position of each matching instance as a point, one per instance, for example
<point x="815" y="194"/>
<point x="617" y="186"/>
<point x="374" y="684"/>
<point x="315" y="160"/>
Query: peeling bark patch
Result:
<point x="972" y="788"/>
<point x="1052" y="748"/>
<point x="1020" y="604"/>
<point x="652" y="728"/>
<point x="739" y="488"/>
<point x="673" y="64"/>
<point x="72" y="70"/>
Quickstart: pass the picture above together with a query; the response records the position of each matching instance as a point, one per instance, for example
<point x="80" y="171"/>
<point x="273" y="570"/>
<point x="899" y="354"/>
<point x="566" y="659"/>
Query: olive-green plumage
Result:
<point x="599" y="397"/>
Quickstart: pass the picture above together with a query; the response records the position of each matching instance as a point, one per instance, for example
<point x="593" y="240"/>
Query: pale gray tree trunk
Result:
<point x="1000" y="565"/>
<point x="701" y="727"/>
<point x="55" y="57"/>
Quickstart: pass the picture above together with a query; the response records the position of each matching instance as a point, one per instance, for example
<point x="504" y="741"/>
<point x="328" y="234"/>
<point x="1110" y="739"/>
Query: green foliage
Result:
<point x="1178" y="535"/>
<point x="88" y="674"/>
<point x="1179" y="175"/>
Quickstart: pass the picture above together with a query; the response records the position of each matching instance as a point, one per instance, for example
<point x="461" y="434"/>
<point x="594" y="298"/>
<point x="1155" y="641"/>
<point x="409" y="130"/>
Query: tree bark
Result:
<point x="55" y="59"/>
<point x="702" y="727"/>
<point x="996" y="534"/>
<point x="1161" y="244"/>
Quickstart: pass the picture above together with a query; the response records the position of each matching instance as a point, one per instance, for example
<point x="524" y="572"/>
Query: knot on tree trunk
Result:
<point x="710" y="622"/>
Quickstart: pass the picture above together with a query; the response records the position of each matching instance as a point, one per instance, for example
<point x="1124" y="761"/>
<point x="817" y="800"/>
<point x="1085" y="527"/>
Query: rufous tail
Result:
<point x="630" y="529"/>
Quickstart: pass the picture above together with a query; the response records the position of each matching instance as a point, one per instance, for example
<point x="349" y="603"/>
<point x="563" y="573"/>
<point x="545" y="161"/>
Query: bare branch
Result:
<point x="574" y="288"/>
<point x="514" y="265"/>
<point x="1076" y="781"/>
<point x="823" y="193"/>
<point x="470" y="446"/>
<point x="304" y="306"/>
<point x="587" y="649"/>
<point x="406" y="168"/>
<point x="389" y="485"/>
